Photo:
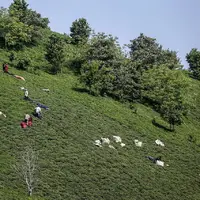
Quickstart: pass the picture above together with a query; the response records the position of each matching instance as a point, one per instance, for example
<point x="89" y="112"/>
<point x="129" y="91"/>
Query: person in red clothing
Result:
<point x="5" y="68"/>
<point x="23" y="124"/>
<point x="30" y="121"/>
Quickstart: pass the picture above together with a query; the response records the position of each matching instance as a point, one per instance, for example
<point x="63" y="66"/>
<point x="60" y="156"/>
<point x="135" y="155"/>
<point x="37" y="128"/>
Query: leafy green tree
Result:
<point x="102" y="56"/>
<point x="193" y="58"/>
<point x="33" y="18"/>
<point x="17" y="34"/>
<point x="164" y="90"/>
<point x="20" y="12"/>
<point x="4" y="20"/>
<point x="55" y="53"/>
<point x="104" y="48"/>
<point x="145" y="51"/>
<point x="80" y="31"/>
<point x="18" y="9"/>
<point x="97" y="77"/>
<point x="127" y="83"/>
<point x="170" y="59"/>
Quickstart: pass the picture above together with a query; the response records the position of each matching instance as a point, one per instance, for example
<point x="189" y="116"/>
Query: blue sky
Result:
<point x="174" y="23"/>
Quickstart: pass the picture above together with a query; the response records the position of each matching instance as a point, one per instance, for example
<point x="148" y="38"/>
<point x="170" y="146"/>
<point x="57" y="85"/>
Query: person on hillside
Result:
<point x="38" y="112"/>
<point x="154" y="160"/>
<point x="30" y="121"/>
<point x="23" y="124"/>
<point x="43" y="106"/>
<point x="26" y="94"/>
<point x="27" y="118"/>
<point x="5" y="68"/>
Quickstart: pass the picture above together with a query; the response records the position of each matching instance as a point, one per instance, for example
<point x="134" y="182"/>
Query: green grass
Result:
<point x="71" y="167"/>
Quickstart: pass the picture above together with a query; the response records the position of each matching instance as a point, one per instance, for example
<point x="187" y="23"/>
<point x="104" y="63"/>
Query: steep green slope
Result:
<point x="71" y="167"/>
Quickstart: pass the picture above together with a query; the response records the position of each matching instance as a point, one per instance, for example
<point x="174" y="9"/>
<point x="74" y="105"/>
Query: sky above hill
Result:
<point x="174" y="23"/>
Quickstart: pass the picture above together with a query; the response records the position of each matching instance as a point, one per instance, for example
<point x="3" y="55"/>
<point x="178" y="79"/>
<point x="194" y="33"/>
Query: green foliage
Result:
<point x="170" y="59"/>
<point x="163" y="88"/>
<point x="193" y="58"/>
<point x="25" y="25"/>
<point x="18" y="9"/>
<point x="30" y="59"/>
<point x="97" y="77"/>
<point x="127" y="84"/>
<point x="104" y="48"/>
<point x="80" y="31"/>
<point x="55" y="53"/>
<point x="72" y="167"/>
<point x="75" y="57"/>
<point x="145" y="51"/>
<point x="33" y="18"/>
<point x="102" y="57"/>
<point x="4" y="20"/>
<point x="18" y="34"/>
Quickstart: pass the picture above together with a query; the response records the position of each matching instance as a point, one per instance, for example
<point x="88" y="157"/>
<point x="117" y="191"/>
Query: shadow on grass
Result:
<point x="82" y="90"/>
<point x="160" y="126"/>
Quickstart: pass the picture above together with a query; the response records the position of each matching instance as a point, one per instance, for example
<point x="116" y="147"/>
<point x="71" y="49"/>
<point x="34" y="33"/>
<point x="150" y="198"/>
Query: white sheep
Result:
<point x="117" y="139"/>
<point x="158" y="142"/>
<point x="105" y="141"/>
<point x="97" y="143"/>
<point x="111" y="146"/>
<point x="46" y="90"/>
<point x="138" y="143"/>
<point x="122" y="145"/>
<point x="160" y="163"/>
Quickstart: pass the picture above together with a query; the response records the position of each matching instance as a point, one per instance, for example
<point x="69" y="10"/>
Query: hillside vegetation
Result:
<point x="97" y="89"/>
<point x="71" y="166"/>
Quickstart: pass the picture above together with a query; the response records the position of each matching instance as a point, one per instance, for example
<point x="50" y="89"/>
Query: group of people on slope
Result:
<point x="37" y="111"/>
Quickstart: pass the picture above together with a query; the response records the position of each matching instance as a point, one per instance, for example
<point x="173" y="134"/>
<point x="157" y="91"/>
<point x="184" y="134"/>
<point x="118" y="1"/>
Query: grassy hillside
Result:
<point x="71" y="167"/>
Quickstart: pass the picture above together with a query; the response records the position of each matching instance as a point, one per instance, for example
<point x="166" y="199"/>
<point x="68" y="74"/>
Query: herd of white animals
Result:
<point x="116" y="139"/>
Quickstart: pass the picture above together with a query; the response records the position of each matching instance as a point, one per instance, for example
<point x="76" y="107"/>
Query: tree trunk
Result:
<point x="170" y="126"/>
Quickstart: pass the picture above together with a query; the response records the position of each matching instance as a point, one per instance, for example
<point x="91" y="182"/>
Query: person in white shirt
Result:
<point x="38" y="112"/>
<point x="26" y="118"/>
<point x="26" y="94"/>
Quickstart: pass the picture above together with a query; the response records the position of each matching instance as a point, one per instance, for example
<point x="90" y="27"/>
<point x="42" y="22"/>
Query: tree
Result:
<point x="170" y="59"/>
<point x="97" y="77"/>
<point x="80" y="31"/>
<point x="55" y="53"/>
<point x="102" y="56"/>
<point x="17" y="34"/>
<point x="127" y="83"/>
<point x="33" y="18"/>
<point x="145" y="51"/>
<point x="4" y="20"/>
<point x="27" y="167"/>
<point x="18" y="9"/>
<point x="104" y="48"/>
<point x="164" y="90"/>
<point x="193" y="58"/>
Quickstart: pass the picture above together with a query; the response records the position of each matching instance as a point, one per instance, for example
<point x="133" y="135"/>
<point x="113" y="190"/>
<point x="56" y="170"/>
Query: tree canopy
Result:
<point x="80" y="31"/>
<point x="193" y="58"/>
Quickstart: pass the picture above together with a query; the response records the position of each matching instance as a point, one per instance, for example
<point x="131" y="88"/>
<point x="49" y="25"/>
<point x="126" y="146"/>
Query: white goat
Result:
<point x="158" y="142"/>
<point x="105" y="141"/>
<point x="138" y="143"/>
<point x="117" y="139"/>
